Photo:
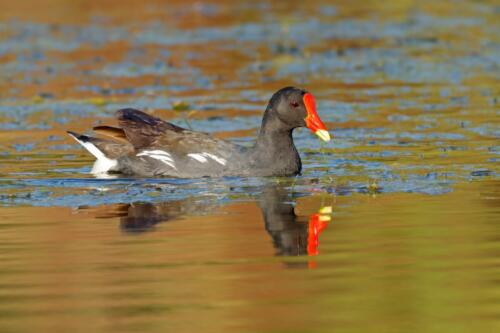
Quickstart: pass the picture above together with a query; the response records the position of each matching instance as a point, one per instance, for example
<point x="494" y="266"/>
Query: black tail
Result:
<point x="79" y="137"/>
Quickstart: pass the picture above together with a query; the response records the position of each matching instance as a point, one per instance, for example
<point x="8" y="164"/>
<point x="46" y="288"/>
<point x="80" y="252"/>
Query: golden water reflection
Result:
<point x="291" y="234"/>
<point x="421" y="263"/>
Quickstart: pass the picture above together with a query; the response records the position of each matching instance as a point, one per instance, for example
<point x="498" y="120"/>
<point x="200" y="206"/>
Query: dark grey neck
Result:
<point x="275" y="148"/>
<point x="274" y="134"/>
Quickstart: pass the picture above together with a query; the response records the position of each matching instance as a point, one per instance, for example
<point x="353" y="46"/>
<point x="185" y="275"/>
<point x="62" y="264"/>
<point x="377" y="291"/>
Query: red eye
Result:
<point x="294" y="104"/>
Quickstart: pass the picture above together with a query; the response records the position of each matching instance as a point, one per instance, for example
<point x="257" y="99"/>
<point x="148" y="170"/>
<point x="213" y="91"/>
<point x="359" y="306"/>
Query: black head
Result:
<point x="294" y="108"/>
<point x="288" y="105"/>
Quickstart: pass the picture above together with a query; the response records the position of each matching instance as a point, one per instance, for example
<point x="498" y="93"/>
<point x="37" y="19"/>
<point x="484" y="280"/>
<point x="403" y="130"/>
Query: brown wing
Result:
<point x="110" y="149"/>
<point x="145" y="131"/>
<point x="111" y="132"/>
<point x="141" y="129"/>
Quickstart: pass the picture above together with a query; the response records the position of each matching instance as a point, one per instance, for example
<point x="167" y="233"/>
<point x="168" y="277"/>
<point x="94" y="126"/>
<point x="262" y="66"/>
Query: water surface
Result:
<point x="391" y="228"/>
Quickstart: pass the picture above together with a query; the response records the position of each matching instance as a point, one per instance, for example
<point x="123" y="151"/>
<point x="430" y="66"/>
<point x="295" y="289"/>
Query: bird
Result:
<point x="290" y="233"/>
<point x="147" y="146"/>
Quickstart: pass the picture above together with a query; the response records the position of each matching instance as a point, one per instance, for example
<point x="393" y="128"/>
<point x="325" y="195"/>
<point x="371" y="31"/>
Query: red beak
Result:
<point x="317" y="223"/>
<point x="313" y="121"/>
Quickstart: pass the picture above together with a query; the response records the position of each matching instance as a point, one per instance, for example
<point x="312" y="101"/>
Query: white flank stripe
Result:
<point x="217" y="159"/>
<point x="198" y="157"/>
<point x="203" y="158"/>
<point x="166" y="160"/>
<point x="154" y="152"/>
<point x="159" y="155"/>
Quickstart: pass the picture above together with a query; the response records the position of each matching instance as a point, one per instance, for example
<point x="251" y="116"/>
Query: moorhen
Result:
<point x="150" y="147"/>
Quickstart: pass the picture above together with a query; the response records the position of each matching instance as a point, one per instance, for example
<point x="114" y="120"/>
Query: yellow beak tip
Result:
<point x="326" y="210"/>
<point x="325" y="218"/>
<point x="323" y="135"/>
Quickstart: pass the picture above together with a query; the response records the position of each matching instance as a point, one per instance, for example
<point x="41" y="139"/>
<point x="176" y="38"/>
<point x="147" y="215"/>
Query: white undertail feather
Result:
<point x="102" y="164"/>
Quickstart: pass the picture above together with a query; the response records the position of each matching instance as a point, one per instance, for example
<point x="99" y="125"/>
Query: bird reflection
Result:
<point x="143" y="216"/>
<point x="292" y="234"/>
<point x="139" y="217"/>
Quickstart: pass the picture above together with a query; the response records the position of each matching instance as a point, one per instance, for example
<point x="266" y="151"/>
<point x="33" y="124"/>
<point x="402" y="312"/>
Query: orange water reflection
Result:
<point x="291" y="234"/>
<point x="391" y="258"/>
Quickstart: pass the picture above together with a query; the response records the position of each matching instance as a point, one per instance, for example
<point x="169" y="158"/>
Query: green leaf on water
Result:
<point x="181" y="106"/>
